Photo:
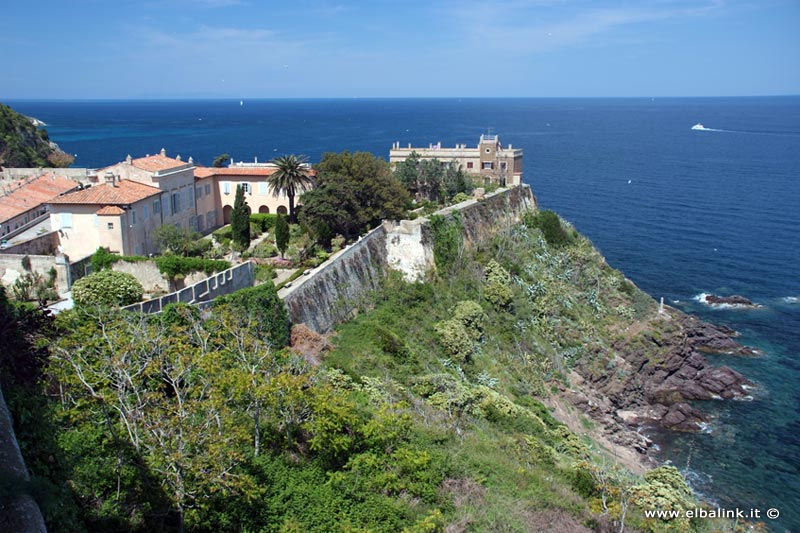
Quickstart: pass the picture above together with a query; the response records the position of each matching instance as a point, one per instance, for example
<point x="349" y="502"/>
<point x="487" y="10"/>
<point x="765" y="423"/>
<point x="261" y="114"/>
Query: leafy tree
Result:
<point x="354" y="193"/>
<point x="240" y="220"/>
<point x="281" y="234"/>
<point x="267" y="312"/>
<point x="220" y="160"/>
<point x="107" y="287"/>
<point x="182" y="241"/>
<point x="432" y="179"/>
<point x="550" y="224"/>
<point x="291" y="178"/>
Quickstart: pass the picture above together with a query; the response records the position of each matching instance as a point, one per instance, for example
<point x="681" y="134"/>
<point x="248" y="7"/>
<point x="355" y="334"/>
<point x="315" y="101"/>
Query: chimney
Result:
<point x="191" y="160"/>
<point x="164" y="152"/>
<point x="110" y="179"/>
<point x="178" y="157"/>
<point x="129" y="159"/>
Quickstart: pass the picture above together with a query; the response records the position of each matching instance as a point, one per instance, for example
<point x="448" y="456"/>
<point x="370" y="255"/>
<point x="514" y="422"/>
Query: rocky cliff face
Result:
<point x="23" y="144"/>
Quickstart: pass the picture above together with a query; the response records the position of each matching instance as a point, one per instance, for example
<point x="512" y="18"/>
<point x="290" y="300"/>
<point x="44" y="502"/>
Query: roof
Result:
<point x="157" y="163"/>
<point x="233" y="172"/>
<point x="34" y="193"/>
<point x="121" y="193"/>
<point x="110" y="210"/>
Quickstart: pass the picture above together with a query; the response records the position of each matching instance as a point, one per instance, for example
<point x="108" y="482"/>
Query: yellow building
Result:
<point x="490" y="160"/>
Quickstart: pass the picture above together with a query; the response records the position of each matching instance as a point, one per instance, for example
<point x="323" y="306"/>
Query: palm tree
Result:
<point x="291" y="178"/>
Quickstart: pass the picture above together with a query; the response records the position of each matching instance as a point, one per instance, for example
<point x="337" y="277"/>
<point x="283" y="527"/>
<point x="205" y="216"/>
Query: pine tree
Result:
<point x="281" y="234"/>
<point x="240" y="220"/>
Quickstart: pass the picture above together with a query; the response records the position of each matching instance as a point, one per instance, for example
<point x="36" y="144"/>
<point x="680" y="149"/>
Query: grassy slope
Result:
<point x="515" y="466"/>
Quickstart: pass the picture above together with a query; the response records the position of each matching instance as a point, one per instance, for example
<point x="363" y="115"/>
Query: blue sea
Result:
<point x="680" y="211"/>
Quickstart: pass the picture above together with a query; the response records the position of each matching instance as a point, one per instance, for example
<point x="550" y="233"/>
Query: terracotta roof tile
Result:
<point x="34" y="193"/>
<point x="110" y="210"/>
<point x="158" y="162"/>
<point x="122" y="193"/>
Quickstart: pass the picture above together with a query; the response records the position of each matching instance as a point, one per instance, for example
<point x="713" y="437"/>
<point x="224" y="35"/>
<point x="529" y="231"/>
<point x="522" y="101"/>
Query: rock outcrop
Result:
<point x="653" y="375"/>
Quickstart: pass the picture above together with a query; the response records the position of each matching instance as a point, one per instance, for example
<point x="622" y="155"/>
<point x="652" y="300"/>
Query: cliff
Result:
<point x="24" y="144"/>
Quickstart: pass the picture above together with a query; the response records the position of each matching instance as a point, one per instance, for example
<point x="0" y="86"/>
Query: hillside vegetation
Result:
<point x="23" y="145"/>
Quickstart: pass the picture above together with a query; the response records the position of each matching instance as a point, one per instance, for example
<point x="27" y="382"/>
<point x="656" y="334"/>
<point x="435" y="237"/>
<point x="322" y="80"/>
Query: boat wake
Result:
<point x="700" y="127"/>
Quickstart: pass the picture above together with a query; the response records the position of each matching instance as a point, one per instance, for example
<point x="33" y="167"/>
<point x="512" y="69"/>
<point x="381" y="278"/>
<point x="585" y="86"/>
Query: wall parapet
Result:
<point x="225" y="282"/>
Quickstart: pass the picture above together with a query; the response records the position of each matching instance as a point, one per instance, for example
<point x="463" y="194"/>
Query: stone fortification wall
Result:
<point x="219" y="284"/>
<point x="45" y="244"/>
<point x="11" y="174"/>
<point x="151" y="278"/>
<point x="334" y="291"/>
<point x="11" y="268"/>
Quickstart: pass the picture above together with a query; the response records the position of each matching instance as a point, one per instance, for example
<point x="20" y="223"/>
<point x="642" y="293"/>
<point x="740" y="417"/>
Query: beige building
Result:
<point x="489" y="160"/>
<point x="173" y="176"/>
<point x="120" y="215"/>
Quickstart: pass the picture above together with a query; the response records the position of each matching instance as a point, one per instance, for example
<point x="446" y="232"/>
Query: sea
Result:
<point x="681" y="211"/>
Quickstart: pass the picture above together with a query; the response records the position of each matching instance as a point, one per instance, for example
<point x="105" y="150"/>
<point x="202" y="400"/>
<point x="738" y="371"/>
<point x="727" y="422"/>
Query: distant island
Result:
<point x="24" y="144"/>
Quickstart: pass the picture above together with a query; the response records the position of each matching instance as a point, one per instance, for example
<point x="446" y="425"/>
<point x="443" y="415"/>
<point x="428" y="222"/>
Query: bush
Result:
<point x="102" y="259"/>
<point x="265" y="221"/>
<point x="107" y="287"/>
<point x="175" y="266"/>
<point x="498" y="285"/>
<point x="459" y="334"/>
<point x="547" y="221"/>
<point x="448" y="241"/>
<point x="262" y="305"/>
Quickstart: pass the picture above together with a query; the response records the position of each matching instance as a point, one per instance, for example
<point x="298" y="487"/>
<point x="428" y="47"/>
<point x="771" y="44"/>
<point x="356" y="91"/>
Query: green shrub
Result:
<point x="265" y="221"/>
<point x="262" y="305"/>
<point x="107" y="287"/>
<point x="550" y="224"/>
<point x="498" y="285"/>
<point x="390" y="342"/>
<point x="102" y="259"/>
<point x="175" y="266"/>
<point x="459" y="334"/>
<point x="461" y="197"/>
<point x="264" y="273"/>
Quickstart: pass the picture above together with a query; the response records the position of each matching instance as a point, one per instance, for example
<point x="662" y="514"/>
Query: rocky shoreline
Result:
<point x="656" y="372"/>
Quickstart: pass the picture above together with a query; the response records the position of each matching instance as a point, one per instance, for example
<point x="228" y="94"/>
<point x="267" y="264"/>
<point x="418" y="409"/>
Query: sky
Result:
<point x="119" y="49"/>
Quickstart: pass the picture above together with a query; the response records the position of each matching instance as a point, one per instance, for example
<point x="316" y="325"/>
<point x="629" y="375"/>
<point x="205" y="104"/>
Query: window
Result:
<point x="488" y="165"/>
<point x="133" y="217"/>
<point x="156" y="207"/>
<point x="191" y="197"/>
<point x="110" y="225"/>
<point x="208" y="189"/>
<point x="66" y="220"/>
<point x="226" y="187"/>
<point x="503" y="165"/>
<point x="184" y="199"/>
<point x="246" y="188"/>
<point x="96" y="221"/>
<point x="262" y="187"/>
<point x="198" y="192"/>
<point x="145" y="212"/>
<point x="176" y="203"/>
<point x="469" y="164"/>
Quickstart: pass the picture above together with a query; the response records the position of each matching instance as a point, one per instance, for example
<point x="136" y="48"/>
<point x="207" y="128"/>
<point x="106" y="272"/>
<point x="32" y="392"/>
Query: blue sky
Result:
<point x="309" y="48"/>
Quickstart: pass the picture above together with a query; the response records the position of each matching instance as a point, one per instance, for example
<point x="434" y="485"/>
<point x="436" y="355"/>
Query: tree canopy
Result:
<point x="240" y="220"/>
<point x="354" y="193"/>
<point x="432" y="179"/>
<point x="291" y="178"/>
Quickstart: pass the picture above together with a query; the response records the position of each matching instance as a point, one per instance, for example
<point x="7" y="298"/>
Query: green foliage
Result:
<point x="23" y="145"/>
<point x="460" y="333"/>
<point x="550" y="225"/>
<point x="281" y="234"/>
<point x="102" y="259"/>
<point x="354" y="193"/>
<point x="262" y="306"/>
<point x="448" y="242"/>
<point x="266" y="221"/>
<point x="221" y="160"/>
<point x="176" y="266"/>
<point x="107" y="287"/>
<point x="431" y="179"/>
<point x="292" y="178"/>
<point x="498" y="286"/>
<point x="461" y="197"/>
<point x="264" y="273"/>
<point x="240" y="220"/>
<point x="34" y="286"/>
<point x="182" y="241"/>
